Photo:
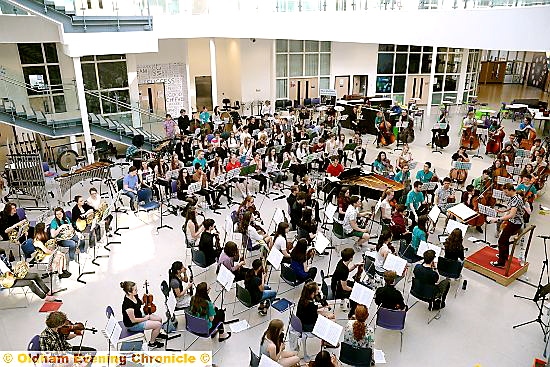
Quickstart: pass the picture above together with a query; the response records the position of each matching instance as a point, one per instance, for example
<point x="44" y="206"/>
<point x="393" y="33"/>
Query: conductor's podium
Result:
<point x="479" y="262"/>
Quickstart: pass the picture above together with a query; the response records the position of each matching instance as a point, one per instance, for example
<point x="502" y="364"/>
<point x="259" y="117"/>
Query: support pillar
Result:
<point x="83" y="109"/>
<point x="213" y="73"/>
<point x="432" y="79"/>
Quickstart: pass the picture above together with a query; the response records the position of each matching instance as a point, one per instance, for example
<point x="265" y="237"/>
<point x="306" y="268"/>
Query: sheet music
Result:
<point x="237" y="327"/>
<point x="395" y="263"/>
<point x="330" y="210"/>
<point x="332" y="179"/>
<point x="228" y="225"/>
<point x="275" y="257"/>
<point x="462" y="211"/>
<point x="327" y="330"/>
<point x="225" y="278"/>
<point x="278" y="217"/>
<point x="265" y="361"/>
<point x="425" y="246"/>
<point x="452" y="224"/>
<point x="110" y="327"/>
<point x="361" y="294"/>
<point x="115" y="336"/>
<point x="434" y="213"/>
<point x="321" y="242"/>
<point x="379" y="356"/>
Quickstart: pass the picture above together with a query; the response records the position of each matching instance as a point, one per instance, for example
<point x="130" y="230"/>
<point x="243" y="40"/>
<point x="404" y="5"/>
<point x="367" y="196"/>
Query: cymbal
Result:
<point x="339" y="108"/>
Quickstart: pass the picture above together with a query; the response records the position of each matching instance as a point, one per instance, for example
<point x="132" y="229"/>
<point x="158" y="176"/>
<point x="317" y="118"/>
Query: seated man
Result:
<point x="350" y="226"/>
<point x="426" y="275"/>
<point x="53" y="340"/>
<point x="335" y="168"/>
<point x="130" y="187"/>
<point x="388" y="296"/>
<point x="415" y="202"/>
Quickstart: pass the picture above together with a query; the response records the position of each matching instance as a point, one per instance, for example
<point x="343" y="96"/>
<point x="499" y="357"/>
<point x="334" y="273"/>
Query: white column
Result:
<point x="273" y="89"/>
<point x="462" y="76"/>
<point x="213" y="73"/>
<point x="83" y="109"/>
<point x="131" y="65"/>
<point x="432" y="79"/>
<point x="189" y="107"/>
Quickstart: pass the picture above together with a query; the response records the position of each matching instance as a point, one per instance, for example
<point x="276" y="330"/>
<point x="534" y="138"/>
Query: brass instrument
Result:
<point x="22" y="227"/>
<point x="51" y="245"/>
<point x="67" y="232"/>
<point x="100" y="212"/>
<point x="20" y="270"/>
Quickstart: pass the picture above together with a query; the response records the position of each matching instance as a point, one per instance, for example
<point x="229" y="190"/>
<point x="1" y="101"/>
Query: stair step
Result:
<point x="112" y="125"/>
<point x="119" y="127"/>
<point x="49" y="2"/>
<point x="2" y="107"/>
<point x="40" y="116"/>
<point x="9" y="106"/>
<point x="60" y="8"/>
<point x="29" y="113"/>
<point x="102" y="121"/>
<point x="93" y="118"/>
<point x="19" y="110"/>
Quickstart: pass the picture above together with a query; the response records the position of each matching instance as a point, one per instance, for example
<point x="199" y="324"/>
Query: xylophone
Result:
<point x="101" y="170"/>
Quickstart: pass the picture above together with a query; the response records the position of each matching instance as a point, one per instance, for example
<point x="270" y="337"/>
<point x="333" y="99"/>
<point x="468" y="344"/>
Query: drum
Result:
<point x="67" y="159"/>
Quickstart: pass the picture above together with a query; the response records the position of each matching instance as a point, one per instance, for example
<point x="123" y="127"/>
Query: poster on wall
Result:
<point x="539" y="71"/>
<point x="328" y="96"/>
<point x="37" y="81"/>
<point x="174" y="77"/>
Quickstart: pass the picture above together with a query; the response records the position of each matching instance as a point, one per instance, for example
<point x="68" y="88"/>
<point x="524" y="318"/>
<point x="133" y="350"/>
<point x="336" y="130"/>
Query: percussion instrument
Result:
<point x="159" y="148"/>
<point x="101" y="170"/>
<point x="67" y="159"/>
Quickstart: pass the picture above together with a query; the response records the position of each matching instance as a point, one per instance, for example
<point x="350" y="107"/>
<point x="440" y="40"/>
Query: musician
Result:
<point x="469" y="122"/>
<point x="307" y="188"/>
<point x="9" y="220"/>
<point x="480" y="183"/>
<point x="335" y="168"/>
<point x="350" y="226"/>
<point x="529" y="193"/>
<point x="200" y="159"/>
<point x="209" y="196"/>
<point x="382" y="165"/>
<point x="281" y="242"/>
<point x="437" y="132"/>
<point x="183" y="122"/>
<point x="527" y="124"/>
<point x="204" y="116"/>
<point x="378" y="120"/>
<point x="60" y="223"/>
<point x="35" y="248"/>
<point x="513" y="219"/>
<point x="415" y="201"/>
<point x="469" y="194"/>
<point x="537" y="149"/>
<point x="387" y="201"/>
<point x="130" y="187"/>
<point x="94" y="200"/>
<point x="169" y="126"/>
<point x="291" y="199"/>
<point x="399" y="224"/>
<point x="267" y="109"/>
<point x="298" y="261"/>
<point x="229" y="258"/>
<point x="405" y="158"/>
<point x="202" y="306"/>
<point x="180" y="284"/>
<point x="272" y="345"/>
<point x="308" y="311"/>
<point x="259" y="176"/>
<point x="271" y="161"/>
<point x="255" y="282"/>
<point x="454" y="249"/>
<point x="31" y="280"/>
<point x="360" y="151"/>
<point x="340" y="285"/>
<point x="175" y="164"/>
<point x="245" y="150"/>
<point x="232" y="142"/>
<point x="404" y="175"/>
<point x="425" y="274"/>
<point x="388" y="296"/>
<point x="331" y="146"/>
<point x="307" y="227"/>
<point x="425" y="175"/>
<point x="507" y="155"/>
<point x="383" y="248"/>
<point x="343" y="202"/>
<point x="81" y="210"/>
<point x="420" y="232"/>
<point x="222" y="189"/>
<point x="245" y="226"/>
<point x="51" y="338"/>
<point x="444" y="195"/>
<point x="511" y="140"/>
<point x="206" y="243"/>
<point x="239" y="181"/>
<point x="192" y="229"/>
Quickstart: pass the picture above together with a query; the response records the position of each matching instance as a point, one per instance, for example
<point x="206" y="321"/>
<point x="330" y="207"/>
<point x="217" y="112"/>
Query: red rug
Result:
<point x="487" y="254"/>
<point x="50" y="306"/>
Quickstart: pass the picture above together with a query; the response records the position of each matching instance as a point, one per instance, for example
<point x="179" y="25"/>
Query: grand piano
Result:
<point x="369" y="185"/>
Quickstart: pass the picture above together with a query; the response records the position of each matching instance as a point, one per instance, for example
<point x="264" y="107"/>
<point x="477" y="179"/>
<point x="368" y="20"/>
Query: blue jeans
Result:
<point x="71" y="244"/>
<point x="132" y="197"/>
<point x="268" y="293"/>
<point x="28" y="247"/>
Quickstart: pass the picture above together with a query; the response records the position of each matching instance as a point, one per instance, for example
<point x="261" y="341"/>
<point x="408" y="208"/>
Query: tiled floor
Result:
<point x="474" y="328"/>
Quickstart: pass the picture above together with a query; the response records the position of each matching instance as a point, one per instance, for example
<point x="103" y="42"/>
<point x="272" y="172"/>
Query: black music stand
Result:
<point x="92" y="233"/>
<point x="170" y="317"/>
<point x="80" y="272"/>
<point x="484" y="133"/>
<point x="440" y="126"/>
<point x="488" y="211"/>
<point x="118" y="210"/>
<point x="161" y="211"/>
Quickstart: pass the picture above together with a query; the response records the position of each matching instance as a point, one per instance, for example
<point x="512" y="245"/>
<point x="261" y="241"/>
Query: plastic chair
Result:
<point x="34" y="346"/>
<point x="288" y="275"/>
<point x="125" y="334"/>
<point x="425" y="293"/>
<point x="199" y="258"/>
<point x="354" y="356"/>
<point x="296" y="326"/>
<point x="254" y="359"/>
<point x="451" y="269"/>
<point x="325" y="289"/>
<point x="198" y="327"/>
<point x="392" y="320"/>
<point x="145" y="195"/>
<point x="244" y="297"/>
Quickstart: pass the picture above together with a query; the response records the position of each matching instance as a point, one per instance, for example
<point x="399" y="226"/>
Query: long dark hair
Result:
<point x="245" y="222"/>
<point x="384" y="237"/>
<point x="173" y="271"/>
<point x="454" y="241"/>
<point x="199" y="302"/>
<point x="307" y="293"/>
<point x="60" y="209"/>
<point x="281" y="230"/>
<point x="422" y="220"/>
<point x="298" y="253"/>
<point x="273" y="333"/>
<point x="191" y="216"/>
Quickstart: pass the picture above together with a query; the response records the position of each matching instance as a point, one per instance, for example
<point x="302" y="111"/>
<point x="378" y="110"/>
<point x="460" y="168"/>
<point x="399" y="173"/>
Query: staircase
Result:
<point x="65" y="13"/>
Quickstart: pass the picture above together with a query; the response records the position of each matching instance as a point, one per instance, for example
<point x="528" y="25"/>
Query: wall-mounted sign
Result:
<point x="37" y="81"/>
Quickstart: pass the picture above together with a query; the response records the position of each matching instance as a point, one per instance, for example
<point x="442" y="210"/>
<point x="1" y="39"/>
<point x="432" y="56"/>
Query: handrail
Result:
<point x="126" y="105"/>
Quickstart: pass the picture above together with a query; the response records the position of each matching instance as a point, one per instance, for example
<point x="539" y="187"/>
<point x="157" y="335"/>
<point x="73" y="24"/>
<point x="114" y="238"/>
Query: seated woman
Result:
<point x="191" y="228"/>
<point x="343" y="202"/>
<point x="405" y="158"/>
<point x="386" y="205"/>
<point x="133" y="317"/>
<point x="258" y="173"/>
<point x="202" y="307"/>
<point x="419" y="233"/>
<point x="388" y="296"/>
<point x="399" y="224"/>
<point x="383" y="248"/>
<point x="180" y="285"/>
<point x="228" y="257"/>
<point x="10" y="221"/>
<point x="206" y="243"/>
<point x="182" y="184"/>
<point x="308" y="311"/>
<point x="31" y="280"/>
<point x="307" y="228"/>
<point x="356" y="332"/>
<point x="79" y="215"/>
<point x="94" y="200"/>
<point x="281" y="242"/>
<point x="272" y="345"/>
<point x="62" y="230"/>
<point x="59" y="263"/>
<point x="325" y="359"/>
<point x="298" y="264"/>
<point x="454" y="250"/>
<point x="245" y="226"/>
<point x="256" y="284"/>
<point x="221" y="189"/>
<point x="382" y="165"/>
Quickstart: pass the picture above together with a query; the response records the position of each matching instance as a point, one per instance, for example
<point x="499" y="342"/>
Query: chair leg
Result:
<point x="304" y="348"/>
<point x="436" y="316"/>
<point x="401" y="345"/>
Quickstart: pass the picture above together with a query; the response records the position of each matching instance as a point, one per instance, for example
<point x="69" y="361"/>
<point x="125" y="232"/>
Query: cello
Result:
<point x="460" y="175"/>
<point x="494" y="144"/>
<point x="148" y="305"/>
<point x="386" y="134"/>
<point x="469" y="139"/>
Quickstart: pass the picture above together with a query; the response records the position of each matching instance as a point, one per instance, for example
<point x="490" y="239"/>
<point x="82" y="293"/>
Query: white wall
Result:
<point x="27" y="28"/>
<point x="258" y="76"/>
<point x="228" y="65"/>
<point x="199" y="65"/>
<point x="354" y="59"/>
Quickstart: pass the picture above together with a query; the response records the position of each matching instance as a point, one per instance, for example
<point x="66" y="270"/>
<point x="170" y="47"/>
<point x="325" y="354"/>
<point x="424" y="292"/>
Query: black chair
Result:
<point x="244" y="297"/>
<point x="288" y="275"/>
<point x="226" y="104"/>
<point x="425" y="293"/>
<point x="354" y="356"/>
<point x="451" y="269"/>
<point x="254" y="359"/>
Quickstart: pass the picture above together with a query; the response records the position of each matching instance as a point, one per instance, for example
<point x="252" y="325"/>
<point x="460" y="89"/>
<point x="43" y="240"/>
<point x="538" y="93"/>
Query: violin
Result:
<point x="357" y="276"/>
<point x="148" y="305"/>
<point x="76" y="328"/>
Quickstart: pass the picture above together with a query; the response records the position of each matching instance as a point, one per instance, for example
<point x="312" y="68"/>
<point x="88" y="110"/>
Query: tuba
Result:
<point x="67" y="232"/>
<point x="22" y="227"/>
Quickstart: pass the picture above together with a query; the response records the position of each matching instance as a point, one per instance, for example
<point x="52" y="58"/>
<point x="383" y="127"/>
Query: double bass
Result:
<point x="469" y="139"/>
<point x="386" y="133"/>
<point x="494" y="144"/>
<point x="459" y="175"/>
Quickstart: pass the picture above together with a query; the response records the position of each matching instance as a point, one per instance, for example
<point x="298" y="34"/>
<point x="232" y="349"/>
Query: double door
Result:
<point x="418" y="87"/>
<point x="302" y="88"/>
<point x="152" y="100"/>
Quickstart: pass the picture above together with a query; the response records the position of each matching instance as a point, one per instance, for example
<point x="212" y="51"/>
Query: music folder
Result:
<point x="321" y="242"/>
<point x="265" y="361"/>
<point x="361" y="294"/>
<point x="275" y="257"/>
<point x="425" y="246"/>
<point x="350" y="146"/>
<point x="395" y="263"/>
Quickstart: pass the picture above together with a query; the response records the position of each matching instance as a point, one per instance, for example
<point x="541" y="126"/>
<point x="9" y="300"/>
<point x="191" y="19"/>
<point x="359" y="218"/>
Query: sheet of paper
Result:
<point x="434" y="213"/>
<point x="361" y="294"/>
<point x="115" y="337"/>
<point x="462" y="211"/>
<point x="473" y="239"/>
<point x="228" y="225"/>
<point x="327" y="330"/>
<point x="425" y="246"/>
<point x="452" y="224"/>
<point x="395" y="263"/>
<point x="321" y="242"/>
<point x="265" y="361"/>
<point x="239" y="326"/>
<point x="110" y="327"/>
<point x="278" y="217"/>
<point x="225" y="278"/>
<point x="379" y="356"/>
<point x="330" y="210"/>
<point x="275" y="257"/>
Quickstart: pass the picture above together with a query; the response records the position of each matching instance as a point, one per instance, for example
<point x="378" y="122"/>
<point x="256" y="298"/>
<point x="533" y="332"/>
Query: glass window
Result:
<point x="414" y="63"/>
<point x="30" y="53"/>
<point x="383" y="84"/>
<point x="416" y="48"/>
<point x="325" y="46"/>
<point x="311" y="64"/>
<point x="281" y="45"/>
<point x="399" y="98"/>
<point x="426" y="63"/>
<point x="34" y="70"/>
<point x="111" y="57"/>
<point x="451" y="83"/>
<point x="116" y="96"/>
<point x="385" y="63"/>
<point x="402" y="48"/>
<point x="399" y="84"/>
<point x="312" y="46"/>
<point x="295" y="46"/>
<point x="59" y="104"/>
<point x="400" y="63"/>
<point x="296" y="65"/>
<point x="51" y="53"/>
<point x="86" y="58"/>
<point x="92" y="104"/>
<point x="438" y="83"/>
<point x="281" y="87"/>
<point x="440" y="63"/>
<point x="453" y="63"/>
<point x="428" y="49"/>
<point x="382" y="47"/>
<point x="89" y="76"/>
<point x="436" y="98"/>
<point x="325" y="64"/>
<point x="282" y="65"/>
<point x="112" y="75"/>
<point x="442" y="49"/>
<point x="55" y="77"/>
<point x="324" y="83"/>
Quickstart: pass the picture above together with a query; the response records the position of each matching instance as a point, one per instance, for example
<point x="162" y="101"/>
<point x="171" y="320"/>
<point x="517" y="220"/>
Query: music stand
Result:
<point x="169" y="316"/>
<point x="428" y="186"/>
<point x="284" y="168"/>
<point x="231" y="177"/>
<point x="400" y="125"/>
<point x="481" y="132"/>
<point x="466" y="166"/>
<point x="488" y="212"/>
<point x="501" y="180"/>
<point x="105" y="215"/>
<point x="500" y="195"/>
<point x="438" y="126"/>
<point x="80" y="272"/>
<point x="246" y="172"/>
<point x="118" y="210"/>
<point x="523" y="153"/>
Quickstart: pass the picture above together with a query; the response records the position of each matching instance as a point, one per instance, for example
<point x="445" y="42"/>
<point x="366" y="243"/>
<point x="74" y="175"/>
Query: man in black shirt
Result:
<point x="341" y="287"/>
<point x="296" y="209"/>
<point x="387" y="296"/>
<point x="183" y="122"/>
<point x="425" y="274"/>
<point x="206" y="242"/>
